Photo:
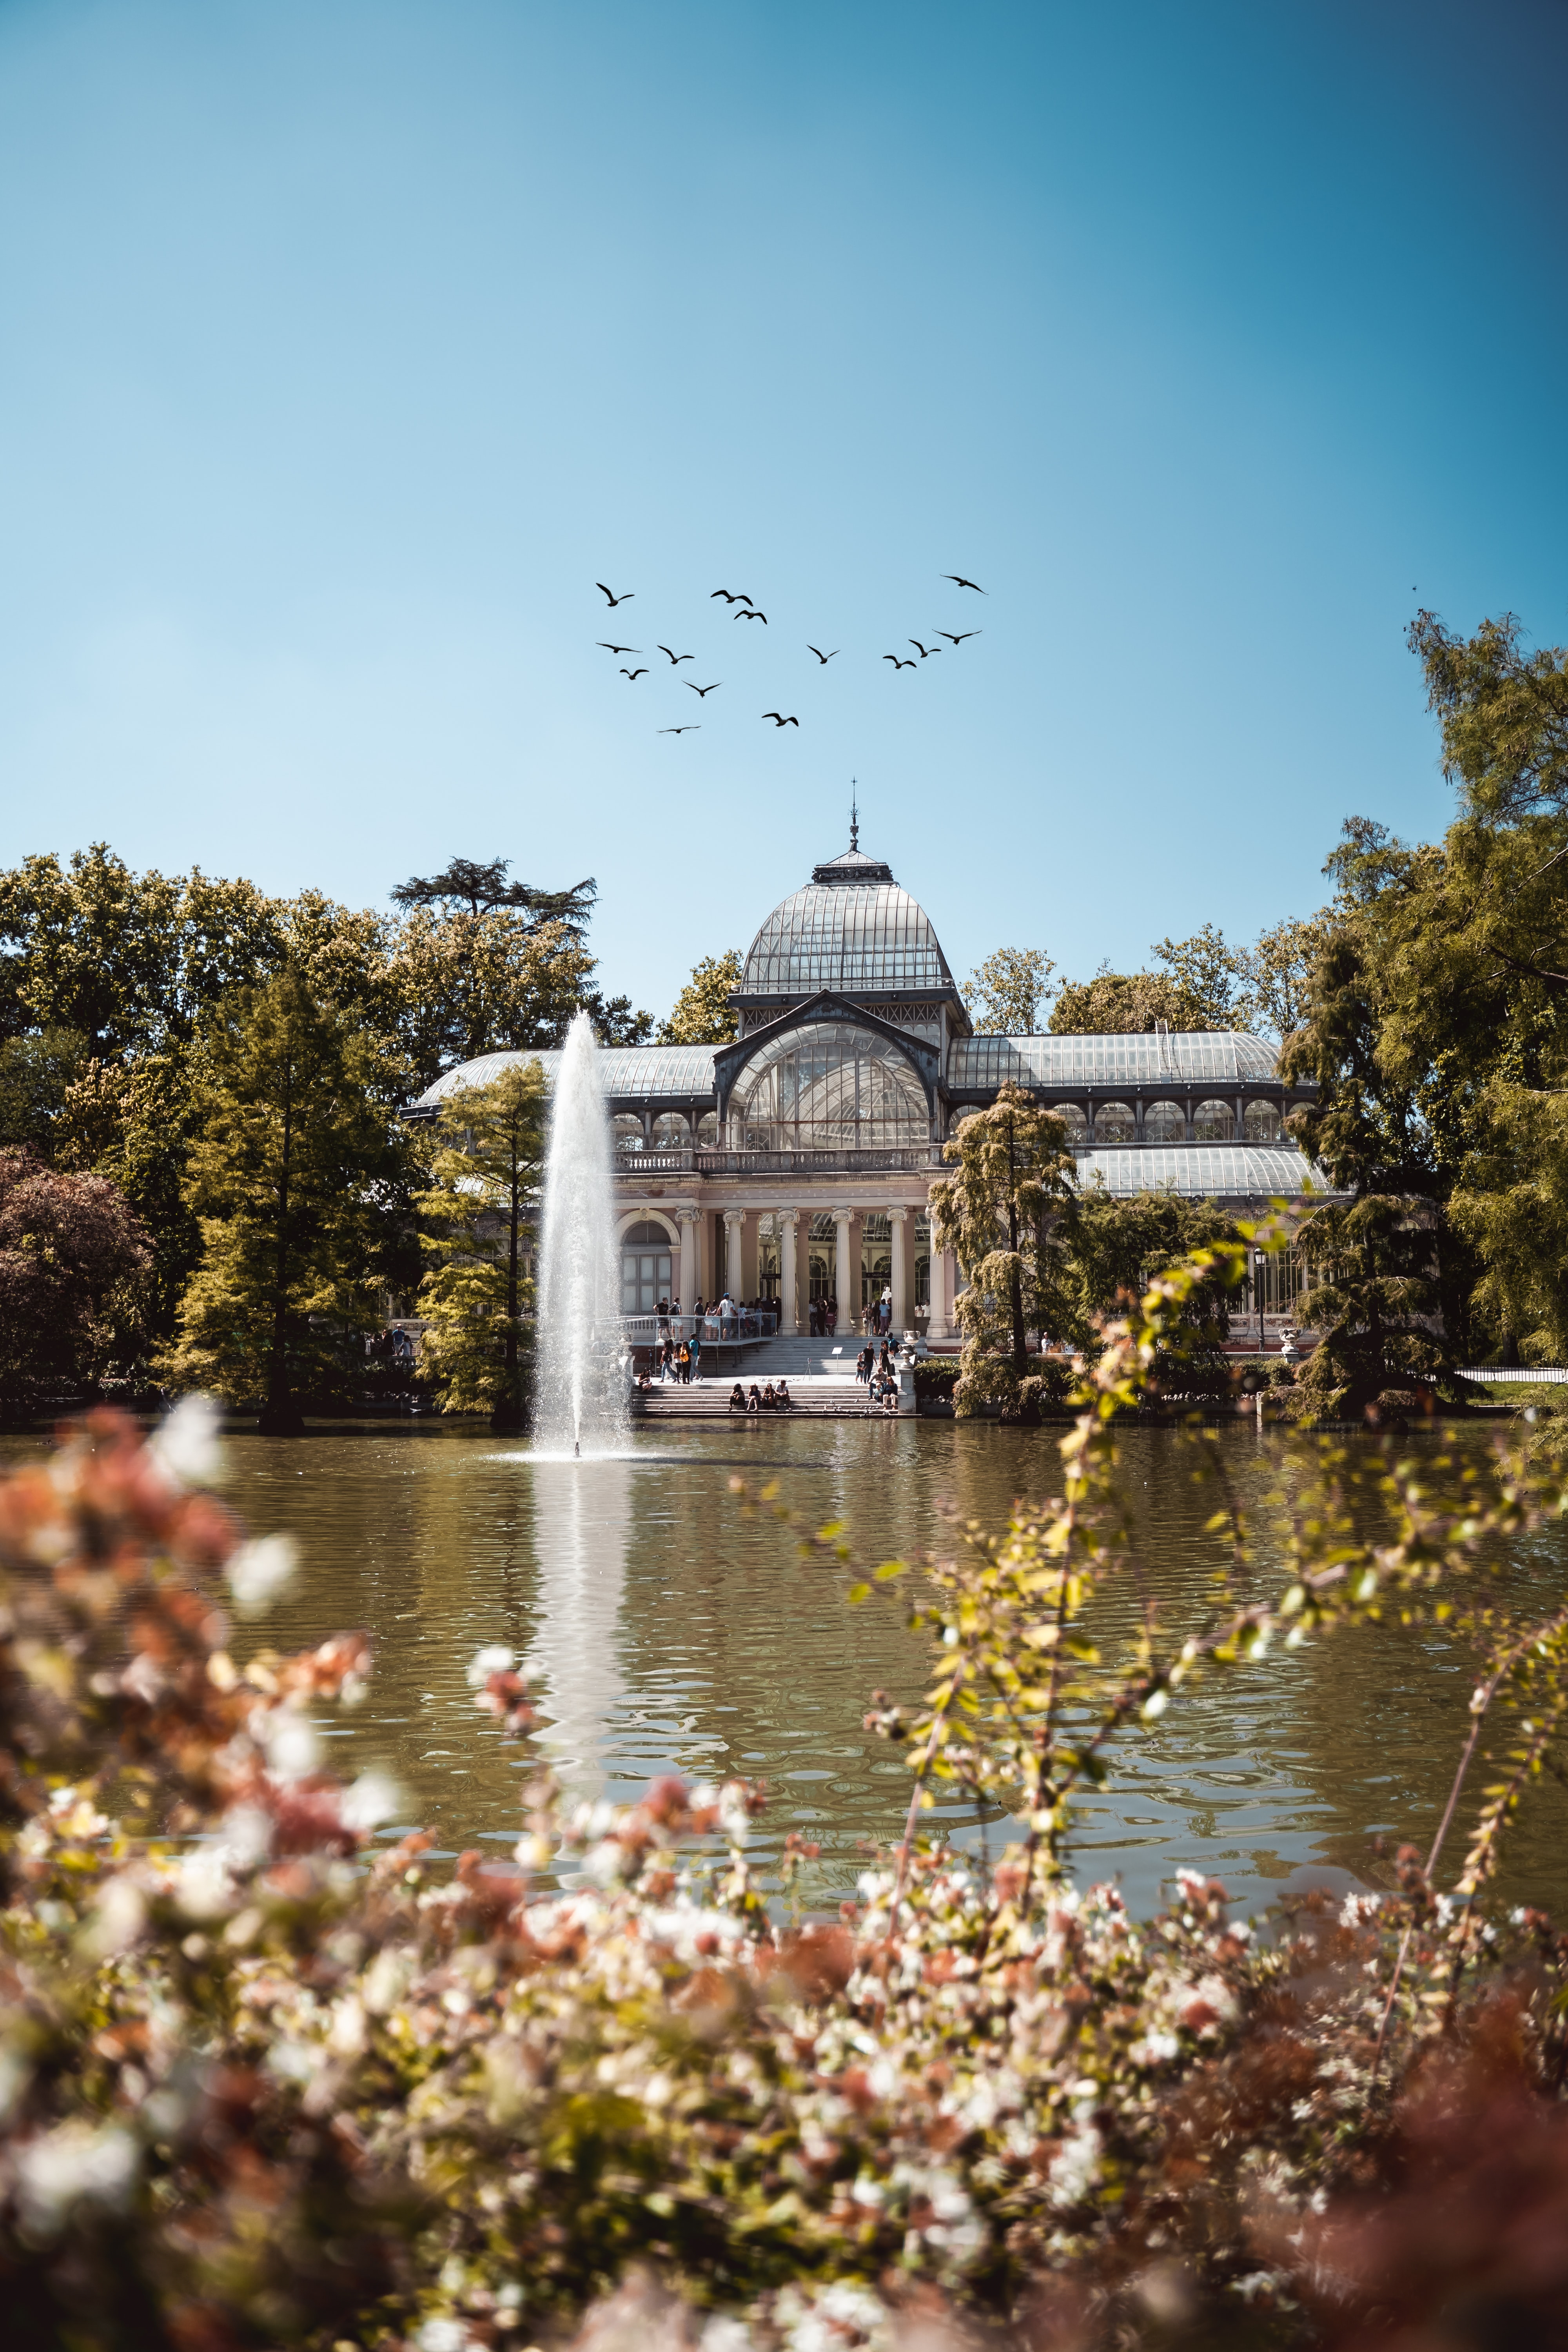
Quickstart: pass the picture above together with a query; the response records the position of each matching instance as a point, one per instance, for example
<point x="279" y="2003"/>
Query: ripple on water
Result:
<point x="669" y="1630"/>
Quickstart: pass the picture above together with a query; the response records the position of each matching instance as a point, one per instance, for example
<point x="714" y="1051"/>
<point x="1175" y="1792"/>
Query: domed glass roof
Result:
<point x="852" y="929"/>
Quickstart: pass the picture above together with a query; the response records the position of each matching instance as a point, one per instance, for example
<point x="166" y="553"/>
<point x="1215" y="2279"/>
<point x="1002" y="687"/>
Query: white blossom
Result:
<point x="117" y="1920"/>
<point x="443" y="2336"/>
<point x="1074" y="2166"/>
<point x="73" y="2164"/>
<point x="373" y="1799"/>
<point x="186" y="1444"/>
<point x="259" y="1571"/>
<point x="293" y="1745"/>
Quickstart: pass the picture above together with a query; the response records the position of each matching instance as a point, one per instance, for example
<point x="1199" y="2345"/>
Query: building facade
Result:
<point x="797" y="1161"/>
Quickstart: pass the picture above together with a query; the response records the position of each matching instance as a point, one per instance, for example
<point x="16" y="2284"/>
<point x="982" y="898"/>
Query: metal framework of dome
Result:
<point x="850" y="930"/>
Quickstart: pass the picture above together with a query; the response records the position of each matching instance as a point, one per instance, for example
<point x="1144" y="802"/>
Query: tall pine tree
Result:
<point x="485" y="1168"/>
<point x="294" y="1177"/>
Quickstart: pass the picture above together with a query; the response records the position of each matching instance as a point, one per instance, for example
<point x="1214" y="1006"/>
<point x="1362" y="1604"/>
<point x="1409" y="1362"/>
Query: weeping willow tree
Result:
<point x="999" y="1212"/>
<point x="485" y="1177"/>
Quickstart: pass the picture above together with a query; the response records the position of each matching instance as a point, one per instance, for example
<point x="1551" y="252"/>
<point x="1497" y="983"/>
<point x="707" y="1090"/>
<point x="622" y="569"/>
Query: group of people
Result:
<point x="880" y="1377"/>
<point x="822" y="1320"/>
<point x="771" y="1399"/>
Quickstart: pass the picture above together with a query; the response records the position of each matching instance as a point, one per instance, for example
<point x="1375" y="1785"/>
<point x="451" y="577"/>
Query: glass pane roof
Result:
<point x="979" y="1064"/>
<point x="647" y="1072"/>
<point x="1205" y="1171"/>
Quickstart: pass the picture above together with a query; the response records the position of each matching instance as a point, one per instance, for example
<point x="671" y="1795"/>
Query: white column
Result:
<point x="690" y="1228"/>
<point x="937" y="1324"/>
<point x="734" y="1271"/>
<point x="789" y="1286"/>
<point x="902" y="1318"/>
<point x="849" y="1300"/>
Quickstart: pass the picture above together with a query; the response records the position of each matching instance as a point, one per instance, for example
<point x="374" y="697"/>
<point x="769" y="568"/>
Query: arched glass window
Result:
<point x="629" y="1132"/>
<point x="830" y="1087"/>
<point x="671" y="1130"/>
<point x="645" y="1268"/>
<point x="708" y="1128"/>
<point x="1165" y="1122"/>
<point x="1213" y="1122"/>
<point x="1262" y="1122"/>
<point x="1114" y="1123"/>
<point x="1072" y="1119"/>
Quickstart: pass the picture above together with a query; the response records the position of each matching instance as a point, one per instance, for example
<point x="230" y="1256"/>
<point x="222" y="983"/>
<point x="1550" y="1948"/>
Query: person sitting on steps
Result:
<point x="737" y="1399"/>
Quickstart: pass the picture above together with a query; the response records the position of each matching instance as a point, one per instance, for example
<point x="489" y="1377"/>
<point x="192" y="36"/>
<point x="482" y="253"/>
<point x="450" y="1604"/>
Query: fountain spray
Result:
<point x="580" y="1397"/>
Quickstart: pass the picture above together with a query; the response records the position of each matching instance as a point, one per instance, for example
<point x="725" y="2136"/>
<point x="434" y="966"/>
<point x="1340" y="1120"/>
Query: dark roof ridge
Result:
<point x="850" y="868"/>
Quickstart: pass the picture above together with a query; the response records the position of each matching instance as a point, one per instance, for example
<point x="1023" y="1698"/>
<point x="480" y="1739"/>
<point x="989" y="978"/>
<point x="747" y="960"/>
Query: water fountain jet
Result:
<point x="580" y="1392"/>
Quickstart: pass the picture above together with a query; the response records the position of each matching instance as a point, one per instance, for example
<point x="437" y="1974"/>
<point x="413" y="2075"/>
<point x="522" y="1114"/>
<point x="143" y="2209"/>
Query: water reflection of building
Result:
<point x="799" y="1159"/>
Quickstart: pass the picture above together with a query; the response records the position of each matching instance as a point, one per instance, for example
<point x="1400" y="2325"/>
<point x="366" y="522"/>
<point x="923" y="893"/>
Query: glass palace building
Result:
<point x="797" y="1161"/>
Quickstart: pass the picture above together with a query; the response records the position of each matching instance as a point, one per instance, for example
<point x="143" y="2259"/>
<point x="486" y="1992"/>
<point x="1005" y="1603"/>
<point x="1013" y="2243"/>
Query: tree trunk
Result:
<point x="281" y="1416"/>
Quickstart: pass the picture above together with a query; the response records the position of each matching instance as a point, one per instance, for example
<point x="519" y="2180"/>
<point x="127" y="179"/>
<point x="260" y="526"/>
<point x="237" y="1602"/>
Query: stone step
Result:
<point x="814" y="1395"/>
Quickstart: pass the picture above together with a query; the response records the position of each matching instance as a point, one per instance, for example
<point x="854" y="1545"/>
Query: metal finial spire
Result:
<point x="854" y="817"/>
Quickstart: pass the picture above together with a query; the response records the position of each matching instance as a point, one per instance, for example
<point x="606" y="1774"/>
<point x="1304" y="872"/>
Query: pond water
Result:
<point x="670" y="1631"/>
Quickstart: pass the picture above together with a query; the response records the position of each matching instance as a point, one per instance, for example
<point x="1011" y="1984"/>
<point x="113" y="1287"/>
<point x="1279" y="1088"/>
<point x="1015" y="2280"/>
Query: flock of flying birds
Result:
<point x="745" y="608"/>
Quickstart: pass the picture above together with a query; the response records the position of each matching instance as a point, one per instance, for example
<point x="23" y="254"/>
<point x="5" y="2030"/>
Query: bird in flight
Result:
<point x="675" y="659"/>
<point x="730" y="596"/>
<point x="619" y="649"/>
<point x="822" y="657"/>
<point x="703" y="690"/>
<point x="634" y="673"/>
<point x="751" y="616"/>
<point x="897" y="663"/>
<point x="779" y="721"/>
<point x="614" y="599"/>
<point x="691" y="728"/>
<point x="957" y="640"/>
<point x="964" y="583"/>
<point x="924" y="652"/>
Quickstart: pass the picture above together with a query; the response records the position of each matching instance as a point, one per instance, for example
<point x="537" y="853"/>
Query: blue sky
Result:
<point x="347" y="344"/>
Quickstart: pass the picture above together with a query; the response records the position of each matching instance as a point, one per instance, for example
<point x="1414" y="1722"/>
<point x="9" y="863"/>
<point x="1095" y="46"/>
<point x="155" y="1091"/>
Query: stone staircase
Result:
<point x="822" y="1383"/>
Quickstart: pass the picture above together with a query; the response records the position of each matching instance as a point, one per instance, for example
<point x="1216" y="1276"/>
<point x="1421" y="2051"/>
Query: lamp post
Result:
<point x="1257" y="1294"/>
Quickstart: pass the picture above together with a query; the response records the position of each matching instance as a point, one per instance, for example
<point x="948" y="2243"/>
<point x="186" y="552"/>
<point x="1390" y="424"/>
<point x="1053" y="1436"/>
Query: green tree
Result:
<point x="1209" y="973"/>
<point x="999" y="1212"/>
<point x="134" y="1122"/>
<point x="465" y="882"/>
<point x="1510" y="1206"/>
<point x="702" y="1013"/>
<point x="1438" y="1023"/>
<point x="1276" y="974"/>
<point x="1006" y="992"/>
<point x="1120" y="1002"/>
<point x="37" y="1073"/>
<point x="485" y="1176"/>
<point x="469" y="983"/>
<point x="1201" y="986"/>
<point x="1112" y="1247"/>
<point x="1504" y="715"/>
<point x="1374" y="1304"/>
<point x="295" y="1174"/>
